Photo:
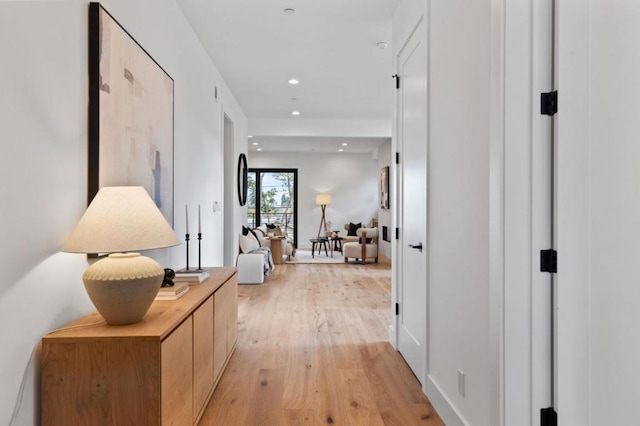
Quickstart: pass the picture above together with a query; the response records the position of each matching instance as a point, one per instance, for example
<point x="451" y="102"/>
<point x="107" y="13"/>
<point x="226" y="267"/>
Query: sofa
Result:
<point x="254" y="261"/>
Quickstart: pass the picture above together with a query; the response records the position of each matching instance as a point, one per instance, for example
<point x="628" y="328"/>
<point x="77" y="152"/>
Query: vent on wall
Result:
<point x="385" y="234"/>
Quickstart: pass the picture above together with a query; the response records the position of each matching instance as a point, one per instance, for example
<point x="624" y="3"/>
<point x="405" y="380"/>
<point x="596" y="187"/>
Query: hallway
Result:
<point x="313" y="349"/>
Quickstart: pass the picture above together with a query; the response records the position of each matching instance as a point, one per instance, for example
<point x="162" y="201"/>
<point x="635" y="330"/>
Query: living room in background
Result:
<point x="130" y="114"/>
<point x="273" y="199"/>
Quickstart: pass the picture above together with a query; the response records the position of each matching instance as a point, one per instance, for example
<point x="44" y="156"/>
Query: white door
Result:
<point x="412" y="211"/>
<point x="598" y="212"/>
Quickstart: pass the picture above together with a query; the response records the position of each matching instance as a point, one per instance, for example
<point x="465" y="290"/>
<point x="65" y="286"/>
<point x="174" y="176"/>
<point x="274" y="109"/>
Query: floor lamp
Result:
<point x="323" y="200"/>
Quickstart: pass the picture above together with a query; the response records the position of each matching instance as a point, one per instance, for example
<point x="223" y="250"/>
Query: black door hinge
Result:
<point x="548" y="417"/>
<point x="397" y="233"/>
<point x="549" y="103"/>
<point x="549" y="261"/>
<point x="397" y="309"/>
<point x="397" y="158"/>
<point x="397" y="77"/>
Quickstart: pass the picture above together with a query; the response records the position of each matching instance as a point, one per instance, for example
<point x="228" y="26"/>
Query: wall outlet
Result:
<point x="461" y="382"/>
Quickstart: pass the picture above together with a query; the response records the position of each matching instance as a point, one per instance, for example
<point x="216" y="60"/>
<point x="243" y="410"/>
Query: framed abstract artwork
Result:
<point x="384" y="187"/>
<point x="130" y="114"/>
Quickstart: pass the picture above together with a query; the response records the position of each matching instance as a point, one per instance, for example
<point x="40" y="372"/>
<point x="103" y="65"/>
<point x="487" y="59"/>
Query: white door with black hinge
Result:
<point x="598" y="212"/>
<point x="412" y="205"/>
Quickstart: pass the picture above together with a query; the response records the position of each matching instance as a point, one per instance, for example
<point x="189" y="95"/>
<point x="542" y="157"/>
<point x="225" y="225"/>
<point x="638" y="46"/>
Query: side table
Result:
<point x="276" y="249"/>
<point x="321" y="241"/>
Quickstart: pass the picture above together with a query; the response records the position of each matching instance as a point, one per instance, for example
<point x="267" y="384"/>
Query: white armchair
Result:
<point x="361" y="249"/>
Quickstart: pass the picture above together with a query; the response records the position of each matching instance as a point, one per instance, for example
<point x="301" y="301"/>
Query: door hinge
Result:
<point x="397" y="233"/>
<point x="397" y="77"/>
<point x="549" y="103"/>
<point x="548" y="417"/>
<point x="397" y="158"/>
<point x="397" y="309"/>
<point x="549" y="261"/>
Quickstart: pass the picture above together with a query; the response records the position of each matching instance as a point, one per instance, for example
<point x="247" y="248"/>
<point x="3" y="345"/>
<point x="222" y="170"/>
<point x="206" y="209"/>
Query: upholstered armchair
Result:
<point x="366" y="247"/>
<point x="351" y="235"/>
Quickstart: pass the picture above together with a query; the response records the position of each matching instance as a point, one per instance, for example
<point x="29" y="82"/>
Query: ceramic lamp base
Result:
<point x="123" y="286"/>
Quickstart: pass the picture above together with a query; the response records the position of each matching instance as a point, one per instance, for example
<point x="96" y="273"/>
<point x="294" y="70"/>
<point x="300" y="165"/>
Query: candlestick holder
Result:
<point x="199" y="251"/>
<point x="187" y="244"/>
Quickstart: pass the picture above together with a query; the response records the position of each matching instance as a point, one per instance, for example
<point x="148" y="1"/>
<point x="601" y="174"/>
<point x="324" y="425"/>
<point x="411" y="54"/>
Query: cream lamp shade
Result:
<point x="323" y="199"/>
<point x="119" y="219"/>
<point x="122" y="219"/>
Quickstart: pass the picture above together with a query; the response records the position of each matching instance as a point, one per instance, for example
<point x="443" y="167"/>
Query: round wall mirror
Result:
<point x="242" y="179"/>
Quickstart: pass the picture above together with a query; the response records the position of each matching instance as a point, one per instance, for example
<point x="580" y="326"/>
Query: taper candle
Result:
<point x="186" y="214"/>
<point x="199" y="225"/>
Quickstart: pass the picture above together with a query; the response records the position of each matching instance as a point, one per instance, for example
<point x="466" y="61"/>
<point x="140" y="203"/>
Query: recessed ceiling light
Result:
<point x="293" y="81"/>
<point x="259" y="149"/>
<point x="255" y="144"/>
<point x="382" y="45"/>
<point x="289" y="11"/>
<point x="250" y="136"/>
<point x="344" y="144"/>
<point x="295" y="112"/>
<point x="340" y="150"/>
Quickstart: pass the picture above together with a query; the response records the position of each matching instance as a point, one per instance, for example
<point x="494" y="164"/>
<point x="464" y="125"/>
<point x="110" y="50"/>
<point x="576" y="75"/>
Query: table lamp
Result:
<point x="323" y="200"/>
<point x="119" y="221"/>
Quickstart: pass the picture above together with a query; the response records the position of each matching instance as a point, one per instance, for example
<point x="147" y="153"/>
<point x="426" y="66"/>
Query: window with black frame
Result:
<point x="272" y="199"/>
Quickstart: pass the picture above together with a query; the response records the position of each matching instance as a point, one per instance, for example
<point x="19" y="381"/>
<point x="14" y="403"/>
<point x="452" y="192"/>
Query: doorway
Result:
<point x="229" y="191"/>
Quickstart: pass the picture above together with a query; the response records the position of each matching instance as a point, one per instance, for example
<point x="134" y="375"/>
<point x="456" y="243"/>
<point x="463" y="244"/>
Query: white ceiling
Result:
<point x="315" y="144"/>
<point x="329" y="45"/>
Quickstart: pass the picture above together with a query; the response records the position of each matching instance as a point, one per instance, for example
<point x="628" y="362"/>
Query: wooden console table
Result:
<point x="160" y="371"/>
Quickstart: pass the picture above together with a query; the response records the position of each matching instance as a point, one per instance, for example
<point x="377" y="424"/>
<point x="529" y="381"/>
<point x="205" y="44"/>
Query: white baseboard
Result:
<point x="444" y="408"/>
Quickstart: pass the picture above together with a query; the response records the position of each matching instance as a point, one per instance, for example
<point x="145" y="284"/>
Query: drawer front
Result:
<point x="202" y="354"/>
<point x="177" y="376"/>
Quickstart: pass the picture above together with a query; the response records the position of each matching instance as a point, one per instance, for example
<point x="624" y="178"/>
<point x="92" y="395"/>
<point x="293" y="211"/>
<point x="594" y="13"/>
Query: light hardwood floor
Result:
<point x="313" y="350"/>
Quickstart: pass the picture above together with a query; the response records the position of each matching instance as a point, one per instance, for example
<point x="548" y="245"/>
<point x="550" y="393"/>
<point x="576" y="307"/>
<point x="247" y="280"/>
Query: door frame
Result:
<point x="519" y="212"/>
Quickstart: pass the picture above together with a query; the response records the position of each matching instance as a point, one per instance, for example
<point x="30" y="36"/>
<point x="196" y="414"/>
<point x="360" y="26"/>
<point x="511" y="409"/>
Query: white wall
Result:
<point x="43" y="134"/>
<point x="459" y="34"/>
<point x="352" y="180"/>
<point x="384" y="215"/>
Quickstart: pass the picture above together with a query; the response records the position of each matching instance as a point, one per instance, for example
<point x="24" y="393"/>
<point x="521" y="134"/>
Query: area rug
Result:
<point x="304" y="256"/>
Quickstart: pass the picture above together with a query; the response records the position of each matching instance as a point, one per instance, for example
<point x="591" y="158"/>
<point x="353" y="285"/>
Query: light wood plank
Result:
<point x="316" y="335"/>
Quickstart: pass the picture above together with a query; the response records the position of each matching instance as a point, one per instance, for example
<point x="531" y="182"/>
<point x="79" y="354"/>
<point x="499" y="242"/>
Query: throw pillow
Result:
<point x="247" y="231"/>
<point x="353" y="228"/>
<point x="275" y="229"/>
<point x="255" y="236"/>
<point x="248" y="244"/>
<point x="260" y="232"/>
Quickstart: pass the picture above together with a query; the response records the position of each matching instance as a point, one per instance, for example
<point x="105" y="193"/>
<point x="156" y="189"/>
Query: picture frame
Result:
<point x="384" y="187"/>
<point x="131" y="114"/>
